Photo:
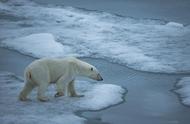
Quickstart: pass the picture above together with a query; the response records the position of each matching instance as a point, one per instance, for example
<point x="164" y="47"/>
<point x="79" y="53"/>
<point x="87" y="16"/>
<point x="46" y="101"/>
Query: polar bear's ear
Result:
<point x="91" y="69"/>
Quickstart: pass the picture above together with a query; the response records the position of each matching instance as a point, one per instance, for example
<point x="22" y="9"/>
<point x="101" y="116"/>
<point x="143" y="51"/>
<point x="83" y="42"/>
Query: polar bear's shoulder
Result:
<point x="70" y="59"/>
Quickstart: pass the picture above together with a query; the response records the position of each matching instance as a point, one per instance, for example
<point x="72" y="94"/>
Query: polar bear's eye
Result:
<point x="91" y="69"/>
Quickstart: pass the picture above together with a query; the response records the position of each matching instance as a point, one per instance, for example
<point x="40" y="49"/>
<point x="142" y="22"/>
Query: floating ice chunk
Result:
<point x="57" y="110"/>
<point x="39" y="45"/>
<point x="175" y="24"/>
<point x="110" y="94"/>
<point x="184" y="90"/>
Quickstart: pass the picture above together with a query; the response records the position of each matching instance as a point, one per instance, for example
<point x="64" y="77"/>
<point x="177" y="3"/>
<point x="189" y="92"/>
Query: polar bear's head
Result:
<point x="88" y="70"/>
<point x="93" y="73"/>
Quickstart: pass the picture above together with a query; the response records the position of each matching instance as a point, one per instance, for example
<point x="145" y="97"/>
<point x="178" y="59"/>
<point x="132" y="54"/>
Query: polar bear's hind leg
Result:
<point x="26" y="90"/>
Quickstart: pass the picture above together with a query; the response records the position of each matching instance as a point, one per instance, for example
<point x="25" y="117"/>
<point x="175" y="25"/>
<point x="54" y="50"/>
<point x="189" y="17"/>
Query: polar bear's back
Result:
<point x="50" y="68"/>
<point x="44" y="62"/>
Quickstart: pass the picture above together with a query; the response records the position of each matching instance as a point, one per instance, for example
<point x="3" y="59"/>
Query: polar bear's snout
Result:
<point x="99" y="77"/>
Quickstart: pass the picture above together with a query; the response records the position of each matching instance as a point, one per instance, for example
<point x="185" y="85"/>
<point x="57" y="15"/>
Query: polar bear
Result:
<point x="41" y="73"/>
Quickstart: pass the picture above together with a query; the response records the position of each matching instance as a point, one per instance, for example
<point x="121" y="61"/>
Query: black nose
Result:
<point x="100" y="77"/>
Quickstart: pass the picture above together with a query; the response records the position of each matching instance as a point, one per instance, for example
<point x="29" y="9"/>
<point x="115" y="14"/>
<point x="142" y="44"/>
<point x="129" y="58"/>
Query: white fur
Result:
<point x="62" y="72"/>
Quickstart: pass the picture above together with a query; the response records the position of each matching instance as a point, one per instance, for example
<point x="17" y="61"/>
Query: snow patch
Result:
<point x="57" y="110"/>
<point x="39" y="45"/>
<point x="184" y="90"/>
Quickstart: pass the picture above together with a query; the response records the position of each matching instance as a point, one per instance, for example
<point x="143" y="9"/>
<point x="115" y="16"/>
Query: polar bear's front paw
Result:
<point x="76" y="95"/>
<point x="24" y="99"/>
<point x="58" y="94"/>
<point x="43" y="99"/>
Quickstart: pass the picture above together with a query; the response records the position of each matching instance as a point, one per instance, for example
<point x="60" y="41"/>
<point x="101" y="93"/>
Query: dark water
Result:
<point x="169" y="10"/>
<point x="149" y="99"/>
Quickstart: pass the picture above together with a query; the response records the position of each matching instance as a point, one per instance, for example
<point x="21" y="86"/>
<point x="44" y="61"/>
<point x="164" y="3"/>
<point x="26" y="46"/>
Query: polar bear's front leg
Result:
<point x="41" y="92"/>
<point x="71" y="90"/>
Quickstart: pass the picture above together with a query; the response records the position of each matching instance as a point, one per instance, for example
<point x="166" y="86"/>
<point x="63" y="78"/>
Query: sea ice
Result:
<point x="174" y="24"/>
<point x="184" y="90"/>
<point x="142" y="44"/>
<point x="3" y="7"/>
<point x="39" y="45"/>
<point x="57" y="110"/>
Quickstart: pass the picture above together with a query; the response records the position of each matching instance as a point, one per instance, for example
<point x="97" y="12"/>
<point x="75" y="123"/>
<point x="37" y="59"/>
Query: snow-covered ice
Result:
<point x="184" y="90"/>
<point x="174" y="24"/>
<point x="57" y="110"/>
<point x="38" y="45"/>
<point x="142" y="44"/>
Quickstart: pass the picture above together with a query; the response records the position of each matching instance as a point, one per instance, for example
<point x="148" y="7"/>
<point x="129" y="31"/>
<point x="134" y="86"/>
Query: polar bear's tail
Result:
<point x="28" y="76"/>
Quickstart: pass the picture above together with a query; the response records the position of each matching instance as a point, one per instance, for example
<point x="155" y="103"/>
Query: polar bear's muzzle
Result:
<point x="99" y="77"/>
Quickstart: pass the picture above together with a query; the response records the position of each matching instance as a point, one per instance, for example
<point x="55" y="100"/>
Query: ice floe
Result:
<point x="184" y="90"/>
<point x="57" y="110"/>
<point x="38" y="45"/>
